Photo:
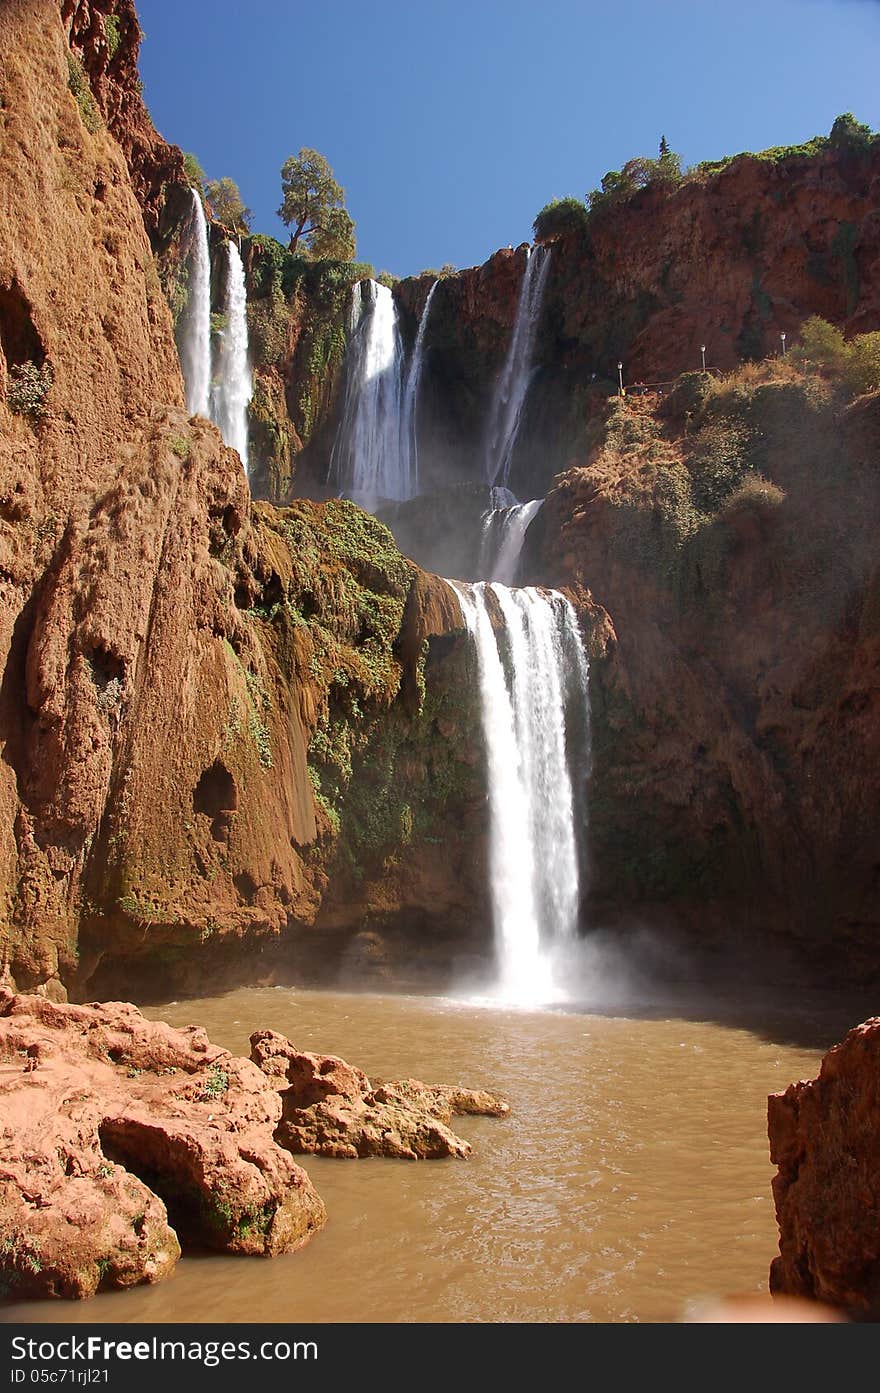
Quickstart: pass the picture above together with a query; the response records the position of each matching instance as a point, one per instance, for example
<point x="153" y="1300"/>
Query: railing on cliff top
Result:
<point x="638" y="388"/>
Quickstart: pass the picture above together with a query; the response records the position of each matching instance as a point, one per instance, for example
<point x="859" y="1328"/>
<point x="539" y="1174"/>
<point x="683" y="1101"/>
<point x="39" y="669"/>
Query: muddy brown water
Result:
<point x="631" y="1182"/>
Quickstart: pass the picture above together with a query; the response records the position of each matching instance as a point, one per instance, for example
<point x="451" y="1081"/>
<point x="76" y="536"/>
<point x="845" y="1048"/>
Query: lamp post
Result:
<point x="620" y="378"/>
<point x="782" y="341"/>
<point x="703" y="355"/>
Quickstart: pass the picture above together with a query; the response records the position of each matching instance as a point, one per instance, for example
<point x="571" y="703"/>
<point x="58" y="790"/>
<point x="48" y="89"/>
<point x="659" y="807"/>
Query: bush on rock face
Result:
<point x="562" y="217"/>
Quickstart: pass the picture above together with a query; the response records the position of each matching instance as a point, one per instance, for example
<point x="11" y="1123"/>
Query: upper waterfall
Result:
<point x="369" y="460"/>
<point x="532" y="672"/>
<point x="233" y="383"/>
<point x="195" y="331"/>
<point x="513" y="384"/>
<point x="409" y="423"/>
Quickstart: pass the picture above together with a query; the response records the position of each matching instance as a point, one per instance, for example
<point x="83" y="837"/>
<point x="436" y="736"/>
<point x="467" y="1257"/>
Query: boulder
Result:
<point x="121" y="1137"/>
<point x="331" y="1108"/>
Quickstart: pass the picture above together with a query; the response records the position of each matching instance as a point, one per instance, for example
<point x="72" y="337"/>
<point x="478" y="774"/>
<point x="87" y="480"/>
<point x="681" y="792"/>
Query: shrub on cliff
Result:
<point x="27" y="388"/>
<point x="196" y="176"/>
<point x="754" y="495"/>
<point x="561" y="217"/>
<point x="639" y="173"/>
<point x="855" y="362"/>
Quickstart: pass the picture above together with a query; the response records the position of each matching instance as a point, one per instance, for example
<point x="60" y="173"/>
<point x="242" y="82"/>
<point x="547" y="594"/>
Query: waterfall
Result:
<point x="503" y="534"/>
<point x="527" y="672"/>
<point x="513" y="384"/>
<point x="409" y="423"/>
<point x="234" y="386"/>
<point x="369" y="460"/>
<point x="195" y="345"/>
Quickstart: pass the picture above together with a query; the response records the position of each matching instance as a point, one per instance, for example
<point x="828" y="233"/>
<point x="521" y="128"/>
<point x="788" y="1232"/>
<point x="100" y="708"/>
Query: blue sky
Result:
<point x="451" y="122"/>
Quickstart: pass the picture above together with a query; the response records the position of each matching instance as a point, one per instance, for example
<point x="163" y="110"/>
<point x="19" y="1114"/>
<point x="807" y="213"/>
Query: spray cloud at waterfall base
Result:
<point x="534" y="692"/>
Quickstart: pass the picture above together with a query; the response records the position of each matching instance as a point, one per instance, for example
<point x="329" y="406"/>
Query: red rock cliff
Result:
<point x="823" y="1138"/>
<point x="188" y="685"/>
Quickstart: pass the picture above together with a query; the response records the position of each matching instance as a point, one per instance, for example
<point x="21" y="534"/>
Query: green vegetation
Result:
<point x="194" y="172"/>
<point x="79" y="86"/>
<point x="226" y="205"/>
<point x="561" y="217"/>
<point x="112" y="35"/>
<point x="179" y="446"/>
<point x="853" y="363"/>
<point x="313" y="204"/>
<point x="215" y="1084"/>
<point x="619" y="185"/>
<point x="27" y="388"/>
<point x="847" y="135"/>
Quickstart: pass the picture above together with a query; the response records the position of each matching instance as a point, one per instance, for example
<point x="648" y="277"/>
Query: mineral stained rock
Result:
<point x="331" y="1108"/>
<point x="117" y="1134"/>
<point x="824" y="1136"/>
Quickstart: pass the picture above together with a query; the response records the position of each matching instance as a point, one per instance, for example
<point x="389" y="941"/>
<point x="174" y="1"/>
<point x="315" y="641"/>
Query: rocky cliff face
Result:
<point x="728" y="260"/>
<point x="721" y="543"/>
<point x="189" y="685"/>
<point x="104" y="38"/>
<point x="823" y="1138"/>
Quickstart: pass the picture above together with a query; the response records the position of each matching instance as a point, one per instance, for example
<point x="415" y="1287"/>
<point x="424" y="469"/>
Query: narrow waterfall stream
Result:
<point x="369" y="461"/>
<point x="503" y="534"/>
<point x="233" y="382"/>
<point x="195" y="331"/>
<point x="527" y="668"/>
<point x="409" y="422"/>
<point x="508" y="401"/>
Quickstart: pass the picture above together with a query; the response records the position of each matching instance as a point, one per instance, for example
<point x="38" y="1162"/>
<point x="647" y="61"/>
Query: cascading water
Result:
<point x="369" y="460"/>
<point x="510" y="393"/>
<point x="409" y="423"/>
<point x="525" y="681"/>
<point x="234" y="385"/>
<point x="504" y="531"/>
<point x="195" y="342"/>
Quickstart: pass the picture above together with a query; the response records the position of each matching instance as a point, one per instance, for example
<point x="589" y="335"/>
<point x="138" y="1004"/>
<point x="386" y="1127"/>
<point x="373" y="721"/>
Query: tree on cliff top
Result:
<point x="313" y="205"/>
<point x="227" y="205"/>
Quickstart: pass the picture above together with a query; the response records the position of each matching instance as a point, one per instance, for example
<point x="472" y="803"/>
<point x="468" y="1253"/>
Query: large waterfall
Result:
<point x="504" y="531"/>
<point x="233" y="384"/>
<point x="195" y="333"/>
<point x="513" y="384"/>
<point x="532" y="673"/>
<point x="370" y="460"/>
<point x="409" y="423"/>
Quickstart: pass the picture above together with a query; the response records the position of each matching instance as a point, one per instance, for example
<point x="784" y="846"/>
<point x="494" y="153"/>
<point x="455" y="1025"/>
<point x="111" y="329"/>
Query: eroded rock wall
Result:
<point x="188" y="683"/>
<point x="823" y="1138"/>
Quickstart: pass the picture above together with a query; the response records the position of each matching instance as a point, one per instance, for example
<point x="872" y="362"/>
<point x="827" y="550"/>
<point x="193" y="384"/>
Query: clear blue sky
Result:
<point x="451" y="122"/>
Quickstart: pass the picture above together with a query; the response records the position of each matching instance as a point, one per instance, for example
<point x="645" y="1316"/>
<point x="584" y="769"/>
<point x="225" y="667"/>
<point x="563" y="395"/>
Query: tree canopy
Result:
<point x="313" y="206"/>
<point x="226" y="204"/>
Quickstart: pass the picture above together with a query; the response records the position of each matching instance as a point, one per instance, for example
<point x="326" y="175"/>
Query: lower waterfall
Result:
<point x="533" y="677"/>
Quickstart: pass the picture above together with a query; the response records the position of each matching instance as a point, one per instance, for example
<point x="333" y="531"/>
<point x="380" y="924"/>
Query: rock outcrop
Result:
<point x="331" y="1108"/>
<point x="720" y="544"/>
<point x="120" y="1136"/>
<point x="104" y="37"/>
<point x="824" y="1140"/>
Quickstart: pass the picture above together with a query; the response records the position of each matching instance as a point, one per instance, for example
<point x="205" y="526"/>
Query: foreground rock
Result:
<point x="119" y="1134"/>
<point x="331" y="1108"/>
<point x="825" y="1139"/>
